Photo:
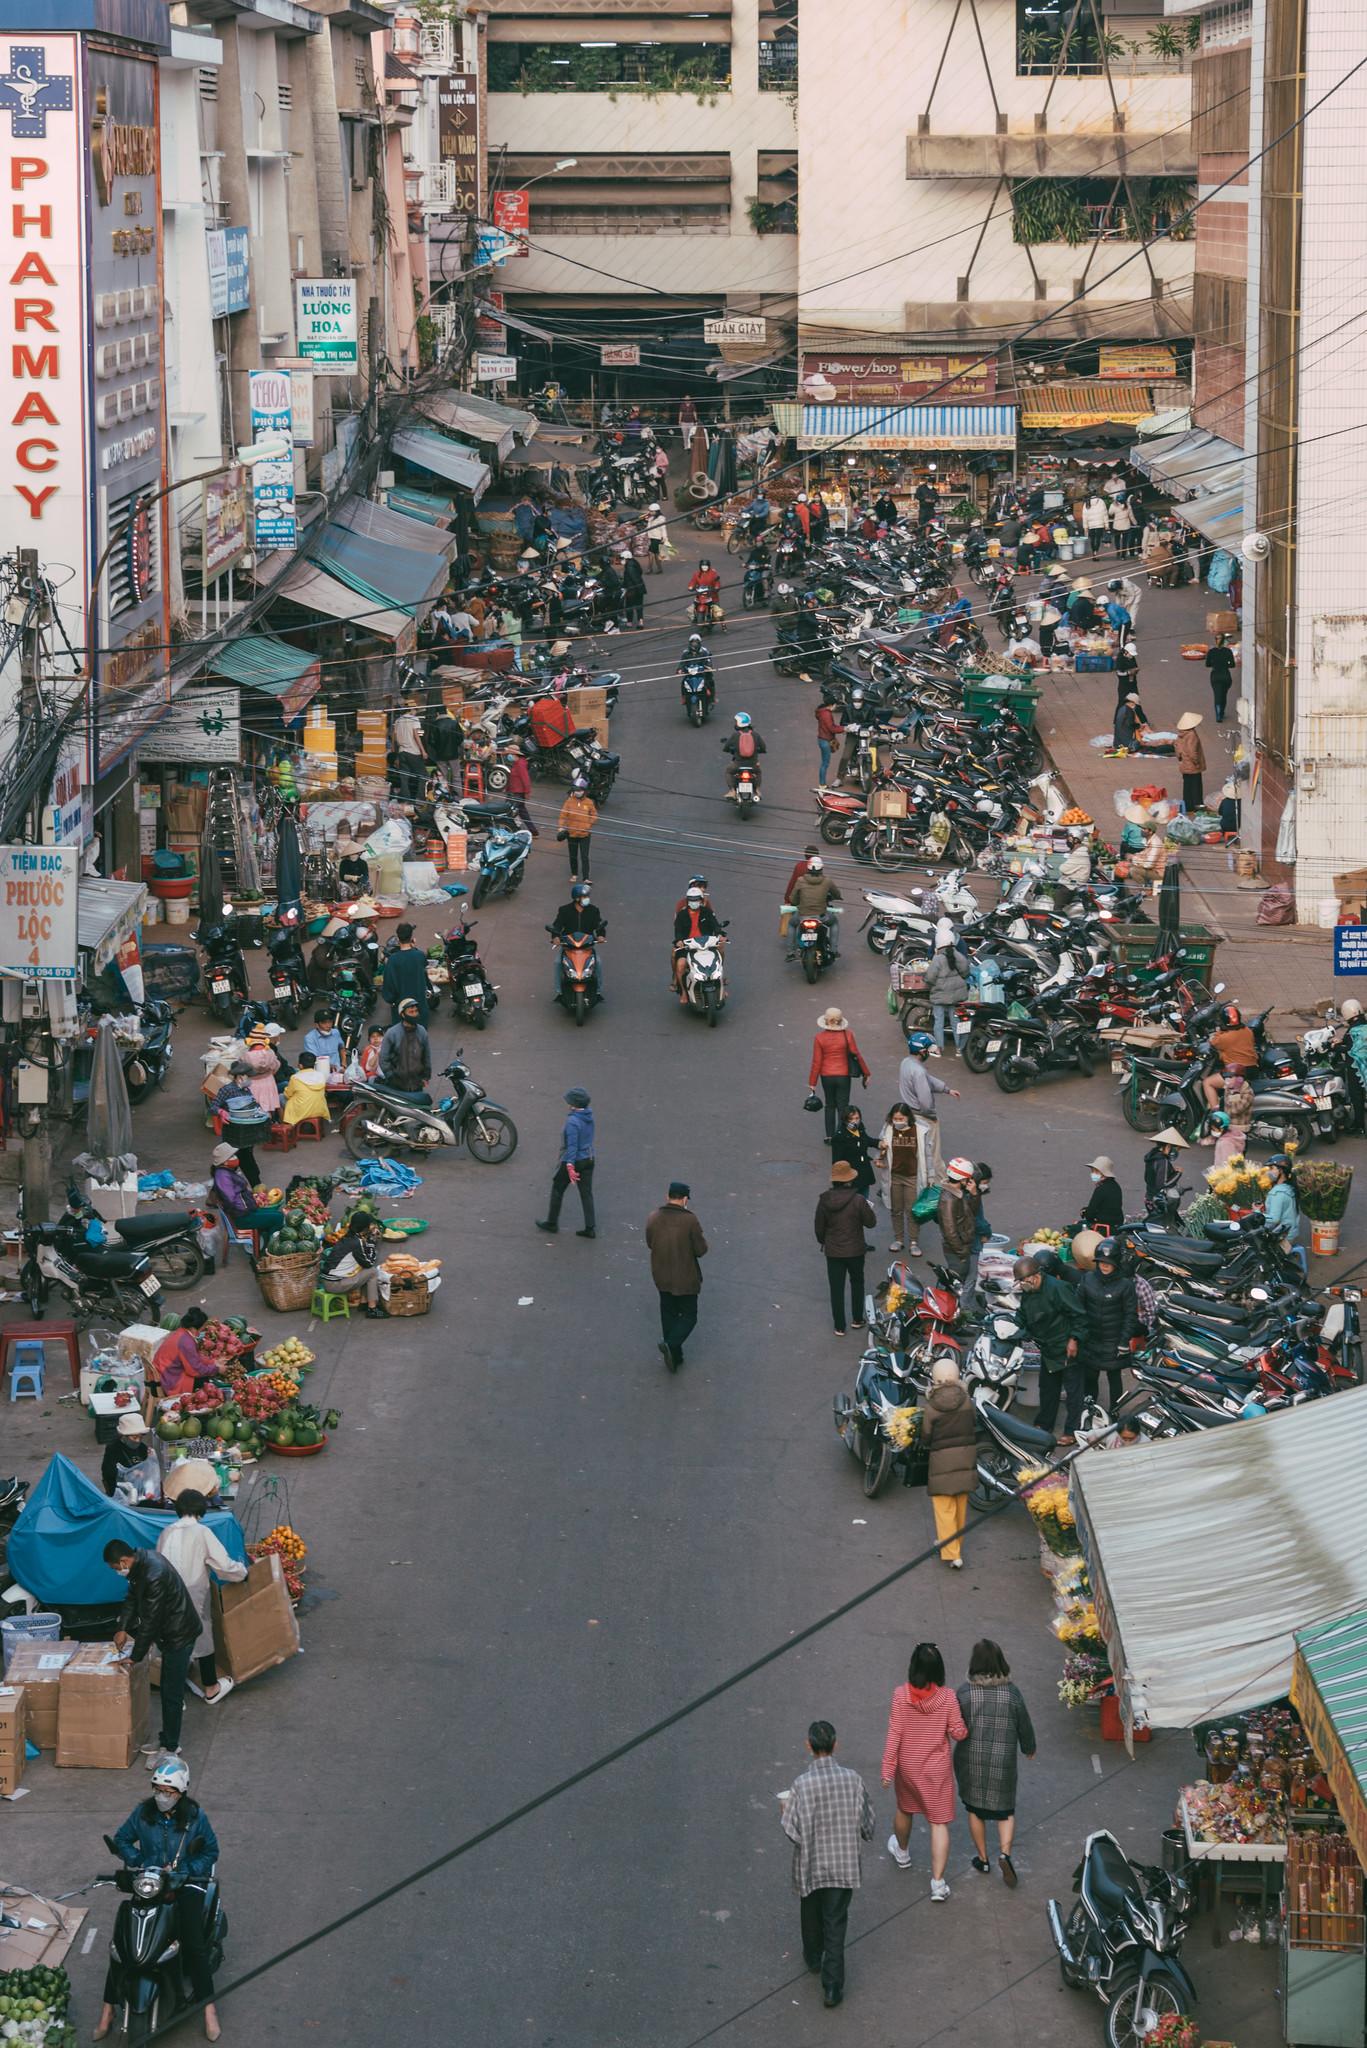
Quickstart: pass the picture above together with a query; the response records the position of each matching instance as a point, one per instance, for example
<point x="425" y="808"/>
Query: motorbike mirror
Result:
<point x="1218" y="989"/>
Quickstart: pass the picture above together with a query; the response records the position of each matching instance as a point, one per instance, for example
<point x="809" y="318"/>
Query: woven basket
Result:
<point x="409" y="1301"/>
<point x="287" y="1279"/>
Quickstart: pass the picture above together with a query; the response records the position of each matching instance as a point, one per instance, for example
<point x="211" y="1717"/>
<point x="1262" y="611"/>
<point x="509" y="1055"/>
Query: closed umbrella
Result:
<point x="210" y="878"/>
<point x="287" y="862"/>
<point x="1169" y="910"/>
<point x="109" y="1119"/>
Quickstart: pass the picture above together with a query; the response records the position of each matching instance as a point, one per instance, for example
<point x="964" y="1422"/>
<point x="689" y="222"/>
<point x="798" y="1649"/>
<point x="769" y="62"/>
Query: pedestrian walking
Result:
<point x="946" y="987"/>
<point x="1191" y="759"/>
<point x="675" y="1242"/>
<point x="157" y="1613"/>
<point x="957" y="1216"/>
<point x="1096" y="521"/>
<point x="827" y="1816"/>
<point x="918" y="1088"/>
<point x="410" y="754"/>
<point x="688" y="420"/>
<point x="1124" y="527"/>
<point x="836" y="1059"/>
<point x="897" y="1157"/>
<point x="1105" y="1210"/>
<point x="853" y="1144"/>
<point x="949" y="1432"/>
<point x="1112" y="1310"/>
<point x="842" y="1217"/>
<point x="194" y="1552"/>
<point x="657" y="534"/>
<point x="633" y="592"/>
<point x="1220" y="662"/>
<point x="578" y="816"/>
<point x="999" y="1731"/>
<point x="576" y="1165"/>
<point x="520" y="790"/>
<point x="828" y="733"/>
<point x="923" y="1724"/>
<point x="404" y="981"/>
<point x="1053" y="1317"/>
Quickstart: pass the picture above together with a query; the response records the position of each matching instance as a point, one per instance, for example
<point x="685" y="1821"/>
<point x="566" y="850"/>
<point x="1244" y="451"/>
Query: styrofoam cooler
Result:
<point x="29" y="1628"/>
<point x="113" y="1201"/>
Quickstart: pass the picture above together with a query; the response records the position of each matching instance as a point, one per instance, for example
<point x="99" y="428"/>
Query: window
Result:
<point x="706" y="218"/>
<point x="1230" y="23"/>
<point x="134" y="570"/>
<point x="617" y="67"/>
<point x="208" y="84"/>
<point x="1146" y="45"/>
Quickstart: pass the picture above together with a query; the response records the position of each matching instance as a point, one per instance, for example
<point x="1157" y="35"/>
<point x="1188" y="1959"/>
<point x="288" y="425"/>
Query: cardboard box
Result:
<point x="1222" y="622"/>
<point x="13" y="1728"/>
<point x="36" y="1930"/>
<point x="255" y="1626"/>
<point x="1351" y="890"/>
<point x="38" y="1668"/>
<point x="103" y="1708"/>
<point x="587" y="704"/>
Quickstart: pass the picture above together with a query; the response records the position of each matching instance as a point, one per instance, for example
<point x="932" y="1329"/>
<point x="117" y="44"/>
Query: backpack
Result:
<point x="745" y="746"/>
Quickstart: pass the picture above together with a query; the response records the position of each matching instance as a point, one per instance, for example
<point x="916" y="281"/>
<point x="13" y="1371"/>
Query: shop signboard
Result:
<point x="301" y="398"/>
<point x="38" y="912"/>
<point x="230" y="288"/>
<point x="872" y="379"/>
<point x="223" y="522"/>
<point x="490" y="332"/>
<point x="325" y="324"/>
<point x="620" y="355"/>
<point x="66" y="820"/>
<point x="512" y="211"/>
<point x="458" y="138"/>
<point x="1350" y="949"/>
<point x="495" y="369"/>
<point x="273" y="506"/>
<point x="1144" y="360"/>
<point x="202" y="725"/>
<point x="494" y="246"/>
<point x="740" y="327"/>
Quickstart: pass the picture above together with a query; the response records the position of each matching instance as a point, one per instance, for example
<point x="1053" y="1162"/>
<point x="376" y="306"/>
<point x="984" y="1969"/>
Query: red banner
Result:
<point x="513" y="213"/>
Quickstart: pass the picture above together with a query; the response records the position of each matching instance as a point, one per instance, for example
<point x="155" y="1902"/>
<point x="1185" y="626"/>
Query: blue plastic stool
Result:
<point x="27" y="1371"/>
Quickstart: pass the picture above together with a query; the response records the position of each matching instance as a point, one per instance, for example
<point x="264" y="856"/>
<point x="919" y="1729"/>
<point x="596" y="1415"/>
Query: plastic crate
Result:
<point x="1134" y="946"/>
<point x="987" y="700"/>
<point x="29" y="1628"/>
<point x="908" y="977"/>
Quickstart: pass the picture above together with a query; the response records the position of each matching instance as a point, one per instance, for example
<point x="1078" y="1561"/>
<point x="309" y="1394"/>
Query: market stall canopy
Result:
<point x="1186" y="463"/>
<point x="392" y="527"/>
<point x="1329" y="1692"/>
<point x="457" y="418"/>
<point x="404" y="577"/>
<point x="429" y="450"/>
<point x="553" y="448"/>
<point x="428" y="506"/>
<point x="1208" y="1552"/>
<point x="523" y="424"/>
<point x="1084" y="404"/>
<point x="898" y="426"/>
<point x="1219" y="515"/>
<point x="106" y="914"/>
<point x="313" y="590"/>
<point x="56" y="1548"/>
<point x="258" y="661"/>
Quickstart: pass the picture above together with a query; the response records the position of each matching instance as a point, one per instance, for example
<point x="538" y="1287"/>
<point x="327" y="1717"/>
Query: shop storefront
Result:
<point x="869" y="447"/>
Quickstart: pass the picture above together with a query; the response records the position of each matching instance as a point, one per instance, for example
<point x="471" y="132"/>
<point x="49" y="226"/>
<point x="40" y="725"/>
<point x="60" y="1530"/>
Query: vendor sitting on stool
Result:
<point x="178" y="1363"/>
<point x="234" y="1194"/>
<point x="244" y="1122"/>
<point x="349" y="1266"/>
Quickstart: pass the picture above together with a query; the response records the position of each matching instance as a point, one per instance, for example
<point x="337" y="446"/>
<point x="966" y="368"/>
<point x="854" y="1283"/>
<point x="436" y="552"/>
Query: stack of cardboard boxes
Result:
<point x="588" y="707"/>
<point x="373" y="755"/>
<point x="13" y="1733"/>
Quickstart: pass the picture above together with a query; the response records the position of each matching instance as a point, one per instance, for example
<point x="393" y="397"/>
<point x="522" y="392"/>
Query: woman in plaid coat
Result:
<point x="999" y="1728"/>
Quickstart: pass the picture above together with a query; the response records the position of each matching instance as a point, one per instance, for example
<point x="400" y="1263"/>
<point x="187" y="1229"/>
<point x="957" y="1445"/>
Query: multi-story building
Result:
<point x="657" y="143"/>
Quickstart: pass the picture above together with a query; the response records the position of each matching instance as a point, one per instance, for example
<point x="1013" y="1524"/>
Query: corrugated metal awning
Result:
<point x="429" y="507"/>
<point x="258" y="661"/>
<point x="1219" y="515"/>
<point x="1084" y="404"/>
<point x="1329" y="1692"/>
<point x="1195" y="463"/>
<point x="404" y="577"/>
<point x="460" y="419"/>
<point x="442" y="456"/>
<point x="314" y="590"/>
<point x="523" y="424"/>
<point x="387" y="524"/>
<point x="106" y="912"/>
<point x="898" y="426"/>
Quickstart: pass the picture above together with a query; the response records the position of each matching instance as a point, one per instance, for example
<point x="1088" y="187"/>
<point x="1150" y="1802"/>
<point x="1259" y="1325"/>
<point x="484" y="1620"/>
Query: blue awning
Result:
<point x="1219" y="515"/>
<point x="899" y="426"/>
<point x="436" y="452"/>
<point x="429" y="506"/>
<point x="406" y="578"/>
<point x="261" y="662"/>
<point x="394" y="528"/>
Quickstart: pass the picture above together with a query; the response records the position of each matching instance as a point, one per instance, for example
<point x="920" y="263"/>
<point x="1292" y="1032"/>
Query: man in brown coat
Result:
<point x="676" y="1243"/>
<point x="842" y="1217"/>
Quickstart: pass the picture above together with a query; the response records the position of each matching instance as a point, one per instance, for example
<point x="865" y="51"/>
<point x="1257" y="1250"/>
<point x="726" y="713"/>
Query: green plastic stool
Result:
<point x="326" y="1305"/>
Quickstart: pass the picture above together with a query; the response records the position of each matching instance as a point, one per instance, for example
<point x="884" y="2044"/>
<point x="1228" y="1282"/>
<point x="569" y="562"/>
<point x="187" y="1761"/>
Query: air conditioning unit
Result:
<point x="438" y="46"/>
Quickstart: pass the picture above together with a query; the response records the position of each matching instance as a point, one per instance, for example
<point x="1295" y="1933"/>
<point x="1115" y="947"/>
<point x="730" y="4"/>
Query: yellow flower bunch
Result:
<point x="1077" y="1624"/>
<point x="1237" y="1181"/>
<point x="895" y="1297"/>
<point x="901" y="1426"/>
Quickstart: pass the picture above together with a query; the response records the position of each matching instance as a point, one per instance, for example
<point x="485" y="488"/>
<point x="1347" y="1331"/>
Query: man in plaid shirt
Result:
<point x="826" y="1816"/>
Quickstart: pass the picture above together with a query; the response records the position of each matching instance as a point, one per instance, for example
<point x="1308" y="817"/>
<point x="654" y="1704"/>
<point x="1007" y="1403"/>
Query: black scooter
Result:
<point x="474" y="997"/>
<point x="168" y="1240"/>
<point x="1123" y="1940"/>
<point x="225" y="970"/>
<point x="149" y="1983"/>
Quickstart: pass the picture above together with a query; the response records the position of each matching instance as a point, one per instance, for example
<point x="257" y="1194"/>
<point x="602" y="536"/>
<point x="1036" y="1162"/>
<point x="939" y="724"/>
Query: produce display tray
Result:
<point x="1202" y="1851"/>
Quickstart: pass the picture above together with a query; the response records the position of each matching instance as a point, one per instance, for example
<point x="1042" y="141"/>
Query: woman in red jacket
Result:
<point x="836" y="1059"/>
<point x="520" y="788"/>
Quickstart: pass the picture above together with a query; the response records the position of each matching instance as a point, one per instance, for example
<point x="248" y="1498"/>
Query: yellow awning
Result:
<point x="1084" y="404"/>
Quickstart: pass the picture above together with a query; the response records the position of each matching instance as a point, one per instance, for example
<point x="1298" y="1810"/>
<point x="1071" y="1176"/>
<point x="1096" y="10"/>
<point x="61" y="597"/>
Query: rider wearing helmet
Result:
<point x="697" y="651"/>
<point x="1282" y="1210"/>
<point x="744" y="746"/>
<point x="695" y="919"/>
<point x="1353" y="1038"/>
<point x="812" y="896"/>
<point x="170" y="1831"/>
<point x="1233" y="1046"/>
<point x="957" y="1217"/>
<point x="579" y="918"/>
<point x="705" y="584"/>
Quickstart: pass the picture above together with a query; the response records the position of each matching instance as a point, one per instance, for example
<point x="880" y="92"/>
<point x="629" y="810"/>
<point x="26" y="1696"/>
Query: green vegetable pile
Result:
<point x="33" y="2008"/>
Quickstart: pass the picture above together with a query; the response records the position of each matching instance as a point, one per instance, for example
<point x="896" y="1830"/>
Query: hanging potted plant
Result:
<point x="1322" y="1190"/>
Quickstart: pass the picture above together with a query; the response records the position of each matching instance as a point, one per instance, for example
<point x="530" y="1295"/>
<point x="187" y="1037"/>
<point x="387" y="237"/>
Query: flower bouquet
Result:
<point x="1078" y="1629"/>
<point x="1238" y="1183"/>
<point x="1085" y="1677"/>
<point x="1176" y="2030"/>
<point x="1322" y="1188"/>
<point x="900" y="1426"/>
<point x="1049" y="1505"/>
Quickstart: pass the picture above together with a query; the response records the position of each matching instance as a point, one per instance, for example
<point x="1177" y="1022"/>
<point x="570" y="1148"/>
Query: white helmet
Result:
<point x="1350" y="1010"/>
<point x="816" y="865"/>
<point x="172" y="1775"/>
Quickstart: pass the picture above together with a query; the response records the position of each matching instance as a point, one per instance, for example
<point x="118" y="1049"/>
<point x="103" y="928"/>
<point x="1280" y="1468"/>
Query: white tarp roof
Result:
<point x="1208" y="1552"/>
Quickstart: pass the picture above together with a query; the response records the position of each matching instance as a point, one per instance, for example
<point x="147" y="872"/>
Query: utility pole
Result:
<point x="36" y="1033"/>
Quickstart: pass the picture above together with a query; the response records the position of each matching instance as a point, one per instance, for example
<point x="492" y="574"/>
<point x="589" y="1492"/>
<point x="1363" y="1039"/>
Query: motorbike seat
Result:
<point x="416" y="1098"/>
<point x="493" y="808"/>
<point x="1186" y="1251"/>
<point x="1214" y="1311"/>
<point x="135" y="1230"/>
<point x="1224" y="1378"/>
<point x="1108" y="1878"/>
<point x="1225" y="1230"/>
<point x="1023" y="1434"/>
<point x="109" y="1264"/>
<point x="1197" y="1418"/>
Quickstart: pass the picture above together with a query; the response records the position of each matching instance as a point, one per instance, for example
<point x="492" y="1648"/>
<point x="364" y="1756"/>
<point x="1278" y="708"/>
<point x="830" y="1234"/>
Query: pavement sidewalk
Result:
<point x="1289" y="968"/>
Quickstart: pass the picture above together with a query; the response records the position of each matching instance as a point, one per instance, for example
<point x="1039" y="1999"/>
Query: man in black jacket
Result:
<point x="157" y="1611"/>
<point x="1111" y="1306"/>
<point x="1051" y="1314"/>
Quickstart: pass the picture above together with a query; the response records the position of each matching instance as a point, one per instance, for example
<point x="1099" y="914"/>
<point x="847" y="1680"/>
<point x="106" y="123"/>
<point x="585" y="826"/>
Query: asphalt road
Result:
<point x="528" y="1542"/>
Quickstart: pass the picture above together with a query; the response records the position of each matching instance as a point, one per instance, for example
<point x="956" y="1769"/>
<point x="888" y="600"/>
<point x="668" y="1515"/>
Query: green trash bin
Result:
<point x="988" y="699"/>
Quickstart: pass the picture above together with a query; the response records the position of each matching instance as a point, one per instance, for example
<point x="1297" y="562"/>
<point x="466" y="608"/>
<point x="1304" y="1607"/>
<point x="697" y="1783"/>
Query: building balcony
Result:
<point x="1042" y="154"/>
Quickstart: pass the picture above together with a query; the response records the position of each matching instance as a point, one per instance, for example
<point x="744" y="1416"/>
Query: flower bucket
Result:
<point x="1112" y="1728"/>
<point x="1324" y="1239"/>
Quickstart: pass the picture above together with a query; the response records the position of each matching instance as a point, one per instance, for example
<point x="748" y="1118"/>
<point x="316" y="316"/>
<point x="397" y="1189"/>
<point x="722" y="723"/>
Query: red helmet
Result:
<point x="1231" y="1014"/>
<point x="959" y="1169"/>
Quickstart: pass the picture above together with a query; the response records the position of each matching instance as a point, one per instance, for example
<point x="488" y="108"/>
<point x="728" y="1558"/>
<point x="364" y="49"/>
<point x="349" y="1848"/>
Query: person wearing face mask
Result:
<point x="1105" y="1210"/>
<point x="158" y="1611"/>
<point x="172" y="1831"/>
<point x="406" y="1052"/>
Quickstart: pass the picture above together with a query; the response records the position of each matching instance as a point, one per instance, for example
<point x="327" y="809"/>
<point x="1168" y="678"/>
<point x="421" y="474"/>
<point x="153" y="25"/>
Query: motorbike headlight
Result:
<point x="147" y="1883"/>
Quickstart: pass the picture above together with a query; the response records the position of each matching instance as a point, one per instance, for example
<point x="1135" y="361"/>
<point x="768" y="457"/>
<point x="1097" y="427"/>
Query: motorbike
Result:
<point x="707" y="611"/>
<point x="755" y="587"/>
<point x="168" y="1238"/>
<point x="502" y="864"/>
<point x="697" y="689"/>
<point x="705" y="978"/>
<point x="892" y="917"/>
<point x="225" y="970"/>
<point x="875" y="1423"/>
<point x="1057" y="1041"/>
<point x="96" y="1281"/>
<point x="380" y="1120"/>
<point x="579" y="987"/>
<point x="150" y="1985"/>
<point x="745" y="791"/>
<point x="814" y="942"/>
<point x="289" y="980"/>
<point x="1158" y="1089"/>
<point x="1008" y="1443"/>
<point x="1123" y="1940"/>
<point x="473" y="996"/>
<point x="146" y="1066"/>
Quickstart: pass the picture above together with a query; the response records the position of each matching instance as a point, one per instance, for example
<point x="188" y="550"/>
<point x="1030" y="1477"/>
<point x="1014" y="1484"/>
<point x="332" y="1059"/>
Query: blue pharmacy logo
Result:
<point x="28" y="95"/>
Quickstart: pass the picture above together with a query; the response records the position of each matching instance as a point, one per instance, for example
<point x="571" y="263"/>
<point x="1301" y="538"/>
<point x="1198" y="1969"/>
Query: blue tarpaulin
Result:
<point x="56" y="1548"/>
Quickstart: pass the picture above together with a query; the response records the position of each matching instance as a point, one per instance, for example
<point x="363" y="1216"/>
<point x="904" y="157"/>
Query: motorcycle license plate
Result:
<point x="280" y="988"/>
<point x="994" y="1045"/>
<point x="1119" y="1067"/>
<point x="151" y="1286"/>
<point x="474" y="988"/>
<point x="219" y="988"/>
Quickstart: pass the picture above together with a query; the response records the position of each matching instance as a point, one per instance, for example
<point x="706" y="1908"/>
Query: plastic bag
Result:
<point x="394" y="836"/>
<point x="813" y="1101"/>
<point x="1278" y="905"/>
<point x="1184" y="832"/>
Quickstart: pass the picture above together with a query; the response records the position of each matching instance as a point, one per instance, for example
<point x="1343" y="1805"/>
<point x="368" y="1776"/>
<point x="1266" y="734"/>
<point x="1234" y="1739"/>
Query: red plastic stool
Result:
<point x="472" y="782"/>
<point x="56" y="1333"/>
<point x="283" y="1138"/>
<point x="315" y="1128"/>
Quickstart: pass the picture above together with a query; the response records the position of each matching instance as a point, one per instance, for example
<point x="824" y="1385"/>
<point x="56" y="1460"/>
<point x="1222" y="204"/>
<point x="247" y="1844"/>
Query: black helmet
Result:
<point x="1108" y="1250"/>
